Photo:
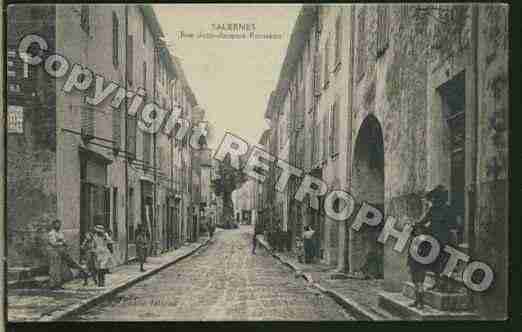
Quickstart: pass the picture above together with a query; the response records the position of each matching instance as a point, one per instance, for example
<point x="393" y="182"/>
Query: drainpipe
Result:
<point x="350" y="124"/>
<point x="126" y="140"/>
<point x="154" y="198"/>
<point x="472" y="195"/>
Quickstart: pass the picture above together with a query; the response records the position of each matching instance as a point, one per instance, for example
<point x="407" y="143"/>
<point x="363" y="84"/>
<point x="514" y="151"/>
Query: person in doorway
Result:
<point x="417" y="269"/>
<point x="59" y="257"/>
<point x="103" y="259"/>
<point x="142" y="241"/>
<point x="308" y="244"/>
<point x="441" y="223"/>
<point x="254" y="241"/>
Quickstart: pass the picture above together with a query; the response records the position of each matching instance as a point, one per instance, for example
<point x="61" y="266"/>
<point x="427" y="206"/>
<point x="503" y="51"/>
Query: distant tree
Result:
<point x="227" y="180"/>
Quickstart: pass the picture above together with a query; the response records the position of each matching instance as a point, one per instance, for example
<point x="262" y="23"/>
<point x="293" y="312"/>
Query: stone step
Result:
<point x="439" y="300"/>
<point x="23" y="273"/>
<point x="397" y="305"/>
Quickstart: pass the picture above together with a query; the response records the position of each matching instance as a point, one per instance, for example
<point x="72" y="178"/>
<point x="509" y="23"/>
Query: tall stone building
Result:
<point x="86" y="164"/>
<point x="397" y="99"/>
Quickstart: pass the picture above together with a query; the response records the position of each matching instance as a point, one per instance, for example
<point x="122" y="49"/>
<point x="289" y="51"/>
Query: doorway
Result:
<point x="366" y="253"/>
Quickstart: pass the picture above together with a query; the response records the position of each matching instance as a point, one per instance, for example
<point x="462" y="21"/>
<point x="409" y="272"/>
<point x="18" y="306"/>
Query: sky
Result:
<point x="231" y="78"/>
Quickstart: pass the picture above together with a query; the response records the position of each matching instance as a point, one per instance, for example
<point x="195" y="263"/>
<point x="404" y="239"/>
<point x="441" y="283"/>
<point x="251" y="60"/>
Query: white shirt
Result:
<point x="308" y="234"/>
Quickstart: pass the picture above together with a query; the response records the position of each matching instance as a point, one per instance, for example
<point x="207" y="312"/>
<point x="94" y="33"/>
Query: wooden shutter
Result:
<point x="325" y="137"/>
<point x="115" y="40"/>
<point x="106" y="206"/>
<point x="131" y="135"/>
<point x="338" y="40"/>
<point x="130" y="59"/>
<point x="115" y="213"/>
<point x="326" y="78"/>
<point x="84" y="18"/>
<point x="88" y="121"/>
<point x="383" y="28"/>
<point x="318" y="59"/>
<point x="361" y="43"/>
<point x="146" y="148"/>
<point x="116" y="129"/>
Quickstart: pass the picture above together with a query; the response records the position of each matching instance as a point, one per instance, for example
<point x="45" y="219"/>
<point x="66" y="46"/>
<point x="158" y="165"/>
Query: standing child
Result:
<point x="88" y="256"/>
<point x="142" y="241"/>
<point x="103" y="253"/>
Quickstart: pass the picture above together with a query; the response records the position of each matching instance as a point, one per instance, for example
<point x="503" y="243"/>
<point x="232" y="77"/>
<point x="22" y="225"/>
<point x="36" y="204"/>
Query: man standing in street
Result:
<point x="254" y="242"/>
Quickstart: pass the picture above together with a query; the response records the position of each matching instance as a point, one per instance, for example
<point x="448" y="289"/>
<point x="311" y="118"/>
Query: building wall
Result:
<point x="52" y="150"/>
<point x="31" y="155"/>
<point x="394" y="141"/>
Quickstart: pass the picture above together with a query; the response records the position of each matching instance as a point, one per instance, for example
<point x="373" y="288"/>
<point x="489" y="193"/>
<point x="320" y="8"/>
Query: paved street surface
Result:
<point x="223" y="282"/>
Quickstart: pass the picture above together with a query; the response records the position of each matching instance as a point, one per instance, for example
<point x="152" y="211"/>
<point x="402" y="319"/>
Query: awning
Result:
<point x="93" y="155"/>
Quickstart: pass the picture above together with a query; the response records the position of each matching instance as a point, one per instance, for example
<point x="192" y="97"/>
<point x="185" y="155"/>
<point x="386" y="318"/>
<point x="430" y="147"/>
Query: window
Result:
<point x="130" y="230"/>
<point x="383" y="30"/>
<point x="116" y="129"/>
<point x="132" y="121"/>
<point x="453" y="95"/>
<point x="115" y="213"/>
<point x="84" y="18"/>
<point x="147" y="138"/>
<point x="115" y="40"/>
<point x="361" y="43"/>
<point x="281" y="134"/>
<point x="144" y="84"/>
<point x="144" y="31"/>
<point x="325" y="137"/>
<point x="88" y="121"/>
<point x="334" y="118"/>
<point x="338" y="41"/>
<point x="130" y="59"/>
<point x="313" y="151"/>
<point x="326" y="64"/>
<point x="317" y="79"/>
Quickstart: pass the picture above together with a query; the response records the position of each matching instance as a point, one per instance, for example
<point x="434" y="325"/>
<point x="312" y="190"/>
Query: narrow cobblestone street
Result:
<point x="223" y="282"/>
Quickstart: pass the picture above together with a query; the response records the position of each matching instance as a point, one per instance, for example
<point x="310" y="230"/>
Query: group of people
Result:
<point x="97" y="249"/>
<point x="441" y="222"/>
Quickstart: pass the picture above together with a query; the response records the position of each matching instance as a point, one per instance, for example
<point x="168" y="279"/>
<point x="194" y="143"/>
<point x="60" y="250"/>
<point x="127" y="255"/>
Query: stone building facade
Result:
<point x="405" y="97"/>
<point x="92" y="164"/>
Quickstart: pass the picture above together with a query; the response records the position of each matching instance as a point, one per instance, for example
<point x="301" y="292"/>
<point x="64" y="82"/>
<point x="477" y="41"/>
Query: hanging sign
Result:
<point x="15" y="119"/>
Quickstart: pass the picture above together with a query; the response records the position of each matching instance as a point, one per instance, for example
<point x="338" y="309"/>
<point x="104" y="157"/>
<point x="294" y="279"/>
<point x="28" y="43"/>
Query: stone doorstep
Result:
<point x="439" y="300"/>
<point x="397" y="304"/>
<point x="24" y="273"/>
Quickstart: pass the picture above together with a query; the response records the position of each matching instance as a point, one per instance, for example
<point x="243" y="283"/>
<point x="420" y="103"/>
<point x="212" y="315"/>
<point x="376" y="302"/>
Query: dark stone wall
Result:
<point x="31" y="156"/>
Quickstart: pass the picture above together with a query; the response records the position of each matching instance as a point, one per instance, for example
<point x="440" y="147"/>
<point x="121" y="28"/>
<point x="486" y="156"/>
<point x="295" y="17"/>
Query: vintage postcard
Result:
<point x="261" y="162"/>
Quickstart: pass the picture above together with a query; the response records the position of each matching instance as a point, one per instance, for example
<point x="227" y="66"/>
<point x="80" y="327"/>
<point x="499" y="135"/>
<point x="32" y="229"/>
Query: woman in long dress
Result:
<point x="59" y="256"/>
<point x="103" y="259"/>
<point x="142" y="241"/>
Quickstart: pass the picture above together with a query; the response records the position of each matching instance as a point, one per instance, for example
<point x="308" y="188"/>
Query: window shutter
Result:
<point x="115" y="213"/>
<point x="131" y="135"/>
<point x="116" y="129"/>
<point x="325" y="137"/>
<point x="338" y="40"/>
<point x="144" y="75"/>
<point x="326" y="78"/>
<point x="146" y="148"/>
<point x="130" y="59"/>
<point x="107" y="207"/>
<point x="84" y="19"/>
<point x="115" y="40"/>
<point x="361" y="43"/>
<point x="317" y="74"/>
<point x="382" y="30"/>
<point x="337" y="132"/>
<point x="87" y="121"/>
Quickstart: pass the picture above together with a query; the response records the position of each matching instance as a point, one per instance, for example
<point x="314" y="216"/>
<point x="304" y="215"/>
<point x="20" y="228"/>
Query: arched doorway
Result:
<point x="365" y="253"/>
